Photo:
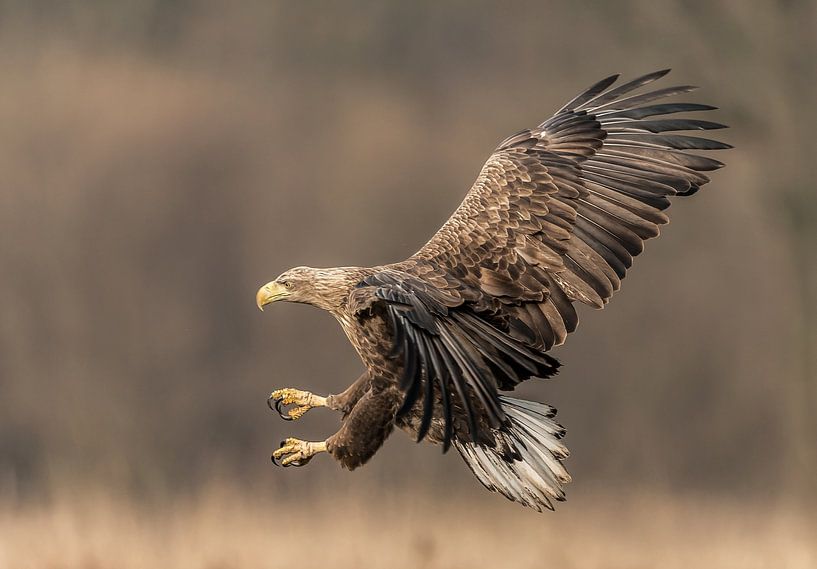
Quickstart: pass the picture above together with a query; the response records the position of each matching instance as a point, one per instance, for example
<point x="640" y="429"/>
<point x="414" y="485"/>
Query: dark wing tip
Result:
<point x="717" y="164"/>
<point x="590" y="93"/>
<point x="601" y="85"/>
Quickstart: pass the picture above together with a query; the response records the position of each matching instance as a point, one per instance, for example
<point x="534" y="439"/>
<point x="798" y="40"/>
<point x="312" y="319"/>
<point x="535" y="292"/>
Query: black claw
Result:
<point x="270" y="399"/>
<point x="278" y="407"/>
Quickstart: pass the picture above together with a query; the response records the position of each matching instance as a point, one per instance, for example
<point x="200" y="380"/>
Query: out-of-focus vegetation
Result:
<point x="162" y="159"/>
<point x="225" y="528"/>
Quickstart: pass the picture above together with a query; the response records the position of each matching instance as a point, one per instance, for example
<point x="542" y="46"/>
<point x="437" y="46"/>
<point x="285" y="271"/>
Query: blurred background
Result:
<point x="161" y="159"/>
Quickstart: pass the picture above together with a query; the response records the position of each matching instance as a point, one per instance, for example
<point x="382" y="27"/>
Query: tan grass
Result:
<point x="224" y="529"/>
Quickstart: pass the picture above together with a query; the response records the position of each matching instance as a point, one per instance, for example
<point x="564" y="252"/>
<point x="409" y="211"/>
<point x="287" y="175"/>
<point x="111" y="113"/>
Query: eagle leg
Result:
<point x="344" y="402"/>
<point x="365" y="428"/>
<point x="304" y="401"/>
<point x="295" y="452"/>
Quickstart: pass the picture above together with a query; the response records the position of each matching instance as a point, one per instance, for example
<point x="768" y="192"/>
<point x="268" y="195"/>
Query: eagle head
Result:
<point x="325" y="288"/>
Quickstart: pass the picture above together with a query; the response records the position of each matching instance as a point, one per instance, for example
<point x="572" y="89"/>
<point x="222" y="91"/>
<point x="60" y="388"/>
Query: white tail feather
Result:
<point x="526" y="464"/>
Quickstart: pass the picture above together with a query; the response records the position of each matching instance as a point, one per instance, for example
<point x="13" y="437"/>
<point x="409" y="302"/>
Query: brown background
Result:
<point x="160" y="160"/>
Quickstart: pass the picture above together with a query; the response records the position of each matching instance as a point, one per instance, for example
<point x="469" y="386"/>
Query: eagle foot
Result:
<point x="295" y="452"/>
<point x="304" y="401"/>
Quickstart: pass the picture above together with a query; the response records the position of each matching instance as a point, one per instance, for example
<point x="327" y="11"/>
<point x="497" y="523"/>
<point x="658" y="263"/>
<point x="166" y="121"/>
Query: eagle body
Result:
<point x="554" y="219"/>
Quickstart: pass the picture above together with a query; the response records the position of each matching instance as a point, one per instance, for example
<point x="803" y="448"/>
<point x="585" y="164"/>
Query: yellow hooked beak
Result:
<point x="268" y="293"/>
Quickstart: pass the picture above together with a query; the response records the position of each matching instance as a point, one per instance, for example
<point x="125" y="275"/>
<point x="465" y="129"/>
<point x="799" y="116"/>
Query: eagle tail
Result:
<point x="525" y="464"/>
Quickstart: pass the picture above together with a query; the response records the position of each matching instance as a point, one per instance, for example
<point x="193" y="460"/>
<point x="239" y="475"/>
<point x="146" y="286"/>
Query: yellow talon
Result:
<point x="289" y="396"/>
<point x="298" y="412"/>
<point x="300" y="452"/>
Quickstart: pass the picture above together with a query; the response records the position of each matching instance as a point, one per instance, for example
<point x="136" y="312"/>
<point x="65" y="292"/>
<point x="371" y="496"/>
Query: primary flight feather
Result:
<point x="555" y="217"/>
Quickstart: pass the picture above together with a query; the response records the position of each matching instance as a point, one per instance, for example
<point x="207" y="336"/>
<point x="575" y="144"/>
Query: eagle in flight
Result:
<point x="554" y="218"/>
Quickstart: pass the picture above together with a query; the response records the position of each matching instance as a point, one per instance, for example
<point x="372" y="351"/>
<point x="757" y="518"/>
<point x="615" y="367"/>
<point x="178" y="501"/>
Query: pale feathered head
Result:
<point x="325" y="288"/>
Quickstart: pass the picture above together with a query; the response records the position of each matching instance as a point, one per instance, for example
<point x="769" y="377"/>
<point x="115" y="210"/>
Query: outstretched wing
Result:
<point x="556" y="216"/>
<point x="559" y="211"/>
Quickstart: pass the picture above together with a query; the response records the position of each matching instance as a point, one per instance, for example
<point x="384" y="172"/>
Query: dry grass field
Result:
<point x="227" y="529"/>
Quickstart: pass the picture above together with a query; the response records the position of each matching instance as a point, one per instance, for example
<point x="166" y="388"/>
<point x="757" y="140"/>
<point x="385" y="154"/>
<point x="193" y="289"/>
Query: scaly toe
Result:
<point x="304" y="400"/>
<point x="296" y="412"/>
<point x="300" y="452"/>
<point x="283" y="449"/>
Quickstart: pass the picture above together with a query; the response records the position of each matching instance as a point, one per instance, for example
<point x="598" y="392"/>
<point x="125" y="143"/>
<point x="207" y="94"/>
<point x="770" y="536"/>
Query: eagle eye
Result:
<point x="288" y="285"/>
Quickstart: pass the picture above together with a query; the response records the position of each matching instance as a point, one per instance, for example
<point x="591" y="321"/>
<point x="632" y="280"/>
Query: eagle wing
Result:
<point x="555" y="217"/>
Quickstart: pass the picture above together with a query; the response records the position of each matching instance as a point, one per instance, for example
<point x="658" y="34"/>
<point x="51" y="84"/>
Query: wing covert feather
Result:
<point x="564" y="207"/>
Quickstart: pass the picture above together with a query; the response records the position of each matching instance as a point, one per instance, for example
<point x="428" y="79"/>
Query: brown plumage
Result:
<point x="555" y="217"/>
